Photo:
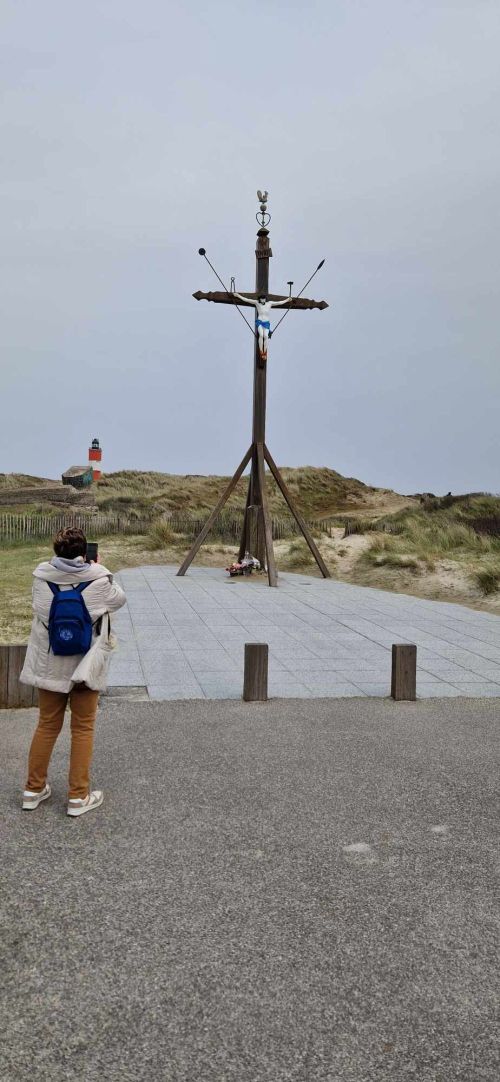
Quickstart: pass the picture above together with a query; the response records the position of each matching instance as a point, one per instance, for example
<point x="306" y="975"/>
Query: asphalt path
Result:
<point x="299" y="890"/>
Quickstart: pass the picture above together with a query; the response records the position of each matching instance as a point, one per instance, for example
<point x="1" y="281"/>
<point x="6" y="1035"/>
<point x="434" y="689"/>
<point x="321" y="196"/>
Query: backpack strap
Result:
<point x="78" y="587"/>
<point x="82" y="586"/>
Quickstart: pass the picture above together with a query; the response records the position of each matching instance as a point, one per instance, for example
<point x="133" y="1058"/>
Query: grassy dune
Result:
<point x="319" y="492"/>
<point x="21" y="480"/>
<point x="448" y="548"/>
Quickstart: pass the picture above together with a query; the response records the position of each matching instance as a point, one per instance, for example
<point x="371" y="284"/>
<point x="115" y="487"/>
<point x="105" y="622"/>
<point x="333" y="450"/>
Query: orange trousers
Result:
<point x="83" y="703"/>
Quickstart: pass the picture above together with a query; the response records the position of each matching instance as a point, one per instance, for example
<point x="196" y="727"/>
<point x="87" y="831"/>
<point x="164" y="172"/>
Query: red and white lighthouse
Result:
<point x="95" y="455"/>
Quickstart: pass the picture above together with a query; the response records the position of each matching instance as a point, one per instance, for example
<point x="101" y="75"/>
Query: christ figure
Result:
<point x="262" y="322"/>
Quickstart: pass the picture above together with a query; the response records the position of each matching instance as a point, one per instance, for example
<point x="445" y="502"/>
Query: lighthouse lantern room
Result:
<point x="95" y="455"/>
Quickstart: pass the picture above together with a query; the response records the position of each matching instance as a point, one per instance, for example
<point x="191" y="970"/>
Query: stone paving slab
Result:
<point x="184" y="638"/>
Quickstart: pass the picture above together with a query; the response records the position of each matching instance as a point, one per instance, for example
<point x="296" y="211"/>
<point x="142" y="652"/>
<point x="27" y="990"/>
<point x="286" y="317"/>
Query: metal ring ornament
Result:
<point x="263" y="217"/>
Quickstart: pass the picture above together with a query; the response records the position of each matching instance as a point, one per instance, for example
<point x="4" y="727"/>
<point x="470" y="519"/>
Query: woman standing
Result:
<point x="77" y="678"/>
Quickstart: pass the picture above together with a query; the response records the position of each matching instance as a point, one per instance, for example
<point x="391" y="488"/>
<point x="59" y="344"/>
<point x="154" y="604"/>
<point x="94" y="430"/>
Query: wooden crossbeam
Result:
<point x="220" y="297"/>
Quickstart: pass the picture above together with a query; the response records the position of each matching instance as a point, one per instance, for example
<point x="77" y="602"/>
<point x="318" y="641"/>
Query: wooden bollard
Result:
<point x="12" y="693"/>
<point x="255" y="676"/>
<point x="404" y="671"/>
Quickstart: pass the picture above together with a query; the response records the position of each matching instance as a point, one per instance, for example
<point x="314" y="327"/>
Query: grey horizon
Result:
<point x="134" y="136"/>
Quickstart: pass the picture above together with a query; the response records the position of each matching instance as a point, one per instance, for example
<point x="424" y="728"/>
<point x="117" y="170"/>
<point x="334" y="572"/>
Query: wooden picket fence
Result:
<point x="38" y="527"/>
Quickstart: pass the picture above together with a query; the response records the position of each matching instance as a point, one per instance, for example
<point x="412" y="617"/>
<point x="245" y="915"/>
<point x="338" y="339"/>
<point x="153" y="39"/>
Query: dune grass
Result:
<point x="456" y="531"/>
<point x="21" y="480"/>
<point x="161" y="535"/>
<point x="383" y="552"/>
<point x="16" y="572"/>
<point x="297" y="556"/>
<point x="488" y="580"/>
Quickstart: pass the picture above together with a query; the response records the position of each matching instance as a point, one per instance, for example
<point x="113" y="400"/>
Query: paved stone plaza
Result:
<point x="183" y="638"/>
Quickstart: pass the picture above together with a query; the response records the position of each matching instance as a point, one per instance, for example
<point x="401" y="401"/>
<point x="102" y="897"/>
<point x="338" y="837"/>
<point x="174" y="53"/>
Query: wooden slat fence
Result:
<point x="229" y="526"/>
<point x="25" y="528"/>
<point x="38" y="527"/>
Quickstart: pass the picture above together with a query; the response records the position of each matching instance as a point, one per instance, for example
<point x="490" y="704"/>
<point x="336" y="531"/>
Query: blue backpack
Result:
<point x="70" y="624"/>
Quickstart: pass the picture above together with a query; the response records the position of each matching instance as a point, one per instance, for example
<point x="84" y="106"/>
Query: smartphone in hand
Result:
<point x="92" y="547"/>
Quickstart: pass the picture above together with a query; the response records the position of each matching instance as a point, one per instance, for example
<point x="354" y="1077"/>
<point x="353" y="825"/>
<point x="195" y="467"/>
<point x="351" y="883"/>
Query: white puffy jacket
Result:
<point x="42" y="668"/>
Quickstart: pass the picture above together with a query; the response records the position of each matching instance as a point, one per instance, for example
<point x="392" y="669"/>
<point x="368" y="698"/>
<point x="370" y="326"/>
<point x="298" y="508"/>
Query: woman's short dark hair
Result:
<point x="70" y="542"/>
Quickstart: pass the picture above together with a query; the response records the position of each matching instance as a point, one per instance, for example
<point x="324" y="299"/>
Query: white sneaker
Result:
<point x="93" y="800"/>
<point x="32" y="800"/>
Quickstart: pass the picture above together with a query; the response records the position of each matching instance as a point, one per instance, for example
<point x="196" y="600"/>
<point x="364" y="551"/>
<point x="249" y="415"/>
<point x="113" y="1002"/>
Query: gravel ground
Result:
<point x="301" y="890"/>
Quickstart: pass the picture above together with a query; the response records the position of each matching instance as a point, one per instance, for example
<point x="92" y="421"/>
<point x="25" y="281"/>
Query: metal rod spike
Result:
<point x="201" y="251"/>
<point x="299" y="295"/>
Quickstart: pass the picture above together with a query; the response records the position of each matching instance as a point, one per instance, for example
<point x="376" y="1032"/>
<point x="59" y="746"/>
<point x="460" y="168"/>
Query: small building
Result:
<point x="78" y="476"/>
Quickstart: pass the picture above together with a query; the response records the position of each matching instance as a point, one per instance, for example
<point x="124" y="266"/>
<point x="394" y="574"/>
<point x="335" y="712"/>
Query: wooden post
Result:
<point x="250" y="531"/>
<point x="12" y="693"/>
<point x="404" y="671"/>
<point x="257" y="496"/>
<point x="4" y="675"/>
<point x="272" y="574"/>
<point x="255" y="676"/>
<point x="246" y="532"/>
<point x="252" y="536"/>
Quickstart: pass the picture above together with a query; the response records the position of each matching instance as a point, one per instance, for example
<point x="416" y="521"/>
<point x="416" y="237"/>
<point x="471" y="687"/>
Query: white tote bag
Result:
<point x="93" y="668"/>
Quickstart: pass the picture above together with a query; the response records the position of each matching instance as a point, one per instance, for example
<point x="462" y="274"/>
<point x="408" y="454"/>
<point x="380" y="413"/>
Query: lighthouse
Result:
<point x="95" y="455"/>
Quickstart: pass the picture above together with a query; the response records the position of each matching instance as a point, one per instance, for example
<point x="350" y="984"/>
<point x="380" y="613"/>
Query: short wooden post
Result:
<point x="12" y="693"/>
<point x="404" y="671"/>
<point x="255" y="676"/>
<point x="252" y="526"/>
<point x="4" y="675"/>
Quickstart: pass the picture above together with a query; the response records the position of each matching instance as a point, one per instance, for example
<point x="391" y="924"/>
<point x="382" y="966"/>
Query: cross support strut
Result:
<point x="216" y="511"/>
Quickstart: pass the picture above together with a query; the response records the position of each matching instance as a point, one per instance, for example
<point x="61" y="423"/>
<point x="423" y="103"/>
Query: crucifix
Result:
<point x="256" y="534"/>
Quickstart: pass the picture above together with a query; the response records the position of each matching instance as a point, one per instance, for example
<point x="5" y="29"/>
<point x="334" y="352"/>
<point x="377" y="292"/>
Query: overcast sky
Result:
<point x="133" y="133"/>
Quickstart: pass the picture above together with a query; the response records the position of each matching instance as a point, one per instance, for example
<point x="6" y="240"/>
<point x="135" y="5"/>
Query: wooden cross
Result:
<point x="256" y="536"/>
